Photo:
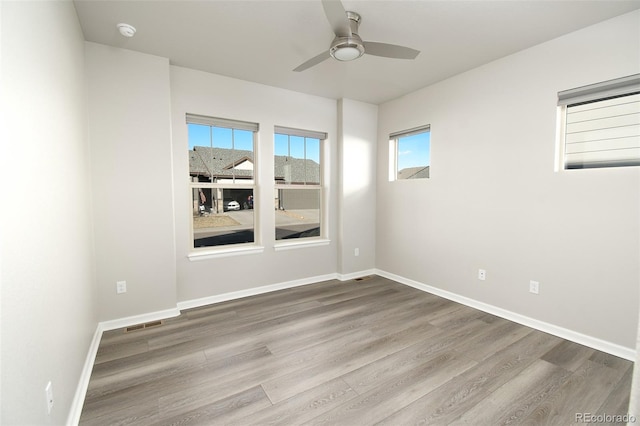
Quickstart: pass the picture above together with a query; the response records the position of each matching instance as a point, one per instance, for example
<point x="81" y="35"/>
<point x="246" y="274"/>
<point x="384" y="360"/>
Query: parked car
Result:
<point x="230" y="205"/>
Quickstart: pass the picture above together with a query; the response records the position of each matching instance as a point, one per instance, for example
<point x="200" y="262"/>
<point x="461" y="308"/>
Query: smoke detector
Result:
<point x="126" y="30"/>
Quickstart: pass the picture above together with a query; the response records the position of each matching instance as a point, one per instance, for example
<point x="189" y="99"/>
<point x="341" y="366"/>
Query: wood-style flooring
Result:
<point x="348" y="353"/>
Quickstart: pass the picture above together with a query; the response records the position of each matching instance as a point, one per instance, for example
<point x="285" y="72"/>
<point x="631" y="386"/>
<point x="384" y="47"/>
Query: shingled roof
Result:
<point x="302" y="171"/>
<point x="219" y="163"/>
<point x="414" y="173"/>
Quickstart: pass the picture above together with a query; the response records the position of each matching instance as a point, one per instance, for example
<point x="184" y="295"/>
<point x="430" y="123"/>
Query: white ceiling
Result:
<point x="263" y="41"/>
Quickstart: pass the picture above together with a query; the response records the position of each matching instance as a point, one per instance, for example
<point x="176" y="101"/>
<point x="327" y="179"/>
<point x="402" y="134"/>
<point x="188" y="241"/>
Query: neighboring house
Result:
<point x="223" y="165"/>
<point x="296" y="170"/>
<point x="414" y="173"/>
<point x="218" y="165"/>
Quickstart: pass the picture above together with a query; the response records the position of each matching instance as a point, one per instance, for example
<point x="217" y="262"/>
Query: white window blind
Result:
<point x="410" y="132"/>
<point x="602" y="124"/>
<point x="222" y="122"/>
<point x="300" y="132"/>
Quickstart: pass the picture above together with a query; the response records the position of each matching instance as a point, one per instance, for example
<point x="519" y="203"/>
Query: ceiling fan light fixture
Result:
<point x="347" y="44"/>
<point x="346" y="49"/>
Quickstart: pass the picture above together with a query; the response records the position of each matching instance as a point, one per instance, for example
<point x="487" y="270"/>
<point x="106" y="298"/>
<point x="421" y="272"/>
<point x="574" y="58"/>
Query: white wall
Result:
<point x="495" y="202"/>
<point x="217" y="96"/>
<point x="634" y="399"/>
<point x="358" y="123"/>
<point x="129" y="112"/>
<point x="48" y="287"/>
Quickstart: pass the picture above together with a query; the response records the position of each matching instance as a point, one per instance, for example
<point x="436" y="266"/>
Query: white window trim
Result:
<point x="393" y="152"/>
<point x="323" y="239"/>
<point x="212" y="252"/>
<point x="301" y="243"/>
<point x="561" y="115"/>
<point x="591" y="93"/>
<point x="225" y="251"/>
<point x="393" y="160"/>
<point x="306" y="241"/>
<point x="195" y="253"/>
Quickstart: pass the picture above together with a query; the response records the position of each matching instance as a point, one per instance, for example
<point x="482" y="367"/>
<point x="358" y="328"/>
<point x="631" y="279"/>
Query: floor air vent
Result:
<point x="142" y="326"/>
<point x="363" y="278"/>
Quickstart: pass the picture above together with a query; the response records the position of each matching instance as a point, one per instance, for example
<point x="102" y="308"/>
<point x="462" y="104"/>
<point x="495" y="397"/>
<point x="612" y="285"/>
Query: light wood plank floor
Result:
<point x="353" y="353"/>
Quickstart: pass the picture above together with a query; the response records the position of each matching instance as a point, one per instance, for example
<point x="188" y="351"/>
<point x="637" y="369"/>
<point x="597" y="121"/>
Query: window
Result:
<point x="410" y="154"/>
<point x="298" y="183"/>
<point x="222" y="182"/>
<point x="600" y="124"/>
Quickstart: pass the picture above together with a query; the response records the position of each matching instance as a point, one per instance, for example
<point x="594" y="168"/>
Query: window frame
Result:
<point x="213" y="251"/>
<point x="322" y="238"/>
<point x="394" y="140"/>
<point x="599" y="93"/>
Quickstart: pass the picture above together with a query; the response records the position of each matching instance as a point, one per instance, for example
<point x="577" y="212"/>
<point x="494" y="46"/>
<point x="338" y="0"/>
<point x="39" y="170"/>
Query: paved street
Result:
<point x="289" y="224"/>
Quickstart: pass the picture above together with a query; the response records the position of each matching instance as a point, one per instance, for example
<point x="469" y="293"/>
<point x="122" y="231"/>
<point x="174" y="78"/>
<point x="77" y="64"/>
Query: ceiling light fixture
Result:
<point x="126" y="30"/>
<point x="347" y="48"/>
<point x="347" y="45"/>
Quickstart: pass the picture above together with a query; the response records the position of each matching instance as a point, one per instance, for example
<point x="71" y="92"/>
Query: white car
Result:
<point x="231" y="205"/>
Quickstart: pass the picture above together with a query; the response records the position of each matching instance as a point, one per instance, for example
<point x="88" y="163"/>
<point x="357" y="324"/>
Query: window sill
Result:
<point x="301" y="244"/>
<point x="224" y="252"/>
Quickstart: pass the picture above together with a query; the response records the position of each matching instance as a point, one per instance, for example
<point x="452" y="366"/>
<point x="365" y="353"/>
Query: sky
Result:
<point x="218" y="137"/>
<point x="294" y="146"/>
<point x="414" y="151"/>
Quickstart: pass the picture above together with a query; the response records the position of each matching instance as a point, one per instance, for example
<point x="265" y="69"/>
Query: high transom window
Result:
<point x="600" y="124"/>
<point x="410" y="154"/>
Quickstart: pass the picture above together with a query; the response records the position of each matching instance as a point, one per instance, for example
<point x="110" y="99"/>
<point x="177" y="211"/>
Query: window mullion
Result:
<point x="304" y="148"/>
<point x="211" y="178"/>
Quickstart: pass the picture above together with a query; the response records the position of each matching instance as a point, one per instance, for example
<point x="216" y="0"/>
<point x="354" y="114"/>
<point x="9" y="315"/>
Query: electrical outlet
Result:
<point x="121" y="287"/>
<point x="482" y="274"/>
<point x="534" y="287"/>
<point x="356" y="252"/>
<point x="48" y="391"/>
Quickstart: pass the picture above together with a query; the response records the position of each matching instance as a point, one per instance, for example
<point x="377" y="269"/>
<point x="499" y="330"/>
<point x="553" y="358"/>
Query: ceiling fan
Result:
<point x="347" y="45"/>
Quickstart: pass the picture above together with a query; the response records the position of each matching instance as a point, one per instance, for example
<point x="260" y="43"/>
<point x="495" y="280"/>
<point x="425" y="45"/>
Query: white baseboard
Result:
<point x="78" y="401"/>
<point x="354" y="275"/>
<point x="83" y="384"/>
<point x="574" y="336"/>
<point x="195" y="303"/>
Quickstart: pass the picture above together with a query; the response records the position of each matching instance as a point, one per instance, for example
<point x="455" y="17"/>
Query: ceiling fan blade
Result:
<point x="389" y="50"/>
<point x="313" y="61"/>
<point x="337" y="17"/>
